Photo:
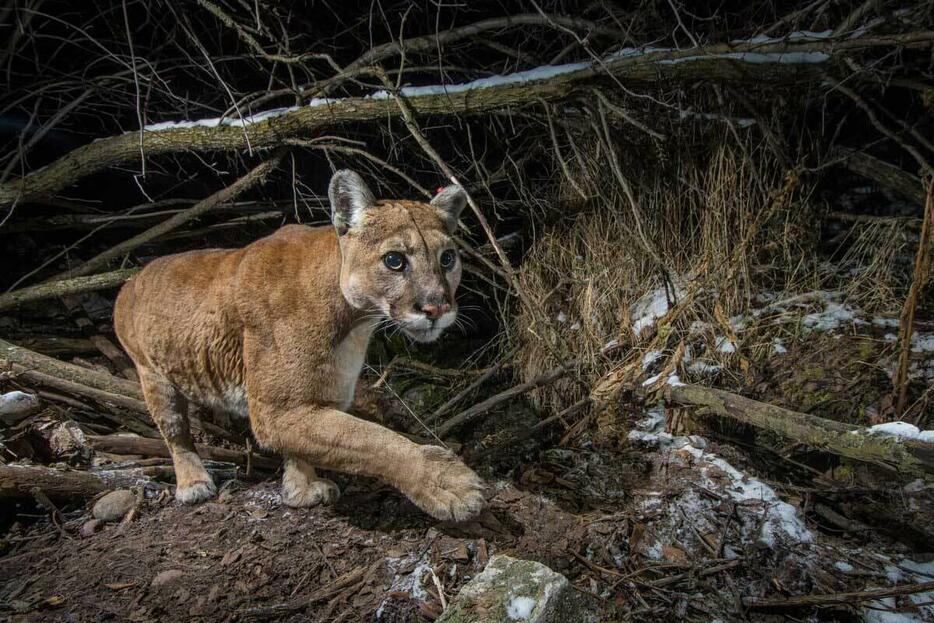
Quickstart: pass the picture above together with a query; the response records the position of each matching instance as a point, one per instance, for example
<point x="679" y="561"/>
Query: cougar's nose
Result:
<point x="434" y="311"/>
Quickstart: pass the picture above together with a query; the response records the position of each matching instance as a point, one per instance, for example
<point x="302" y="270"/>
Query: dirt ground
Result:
<point x="631" y="526"/>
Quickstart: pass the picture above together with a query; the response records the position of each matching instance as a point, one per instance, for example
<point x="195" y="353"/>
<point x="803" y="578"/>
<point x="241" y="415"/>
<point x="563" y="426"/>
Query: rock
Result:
<point x="166" y="577"/>
<point x="14" y="406"/>
<point x="510" y="589"/>
<point x="114" y="505"/>
<point x="67" y="440"/>
<point x="89" y="527"/>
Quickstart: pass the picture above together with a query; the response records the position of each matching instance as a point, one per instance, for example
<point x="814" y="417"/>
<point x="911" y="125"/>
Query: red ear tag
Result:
<point x="439" y="190"/>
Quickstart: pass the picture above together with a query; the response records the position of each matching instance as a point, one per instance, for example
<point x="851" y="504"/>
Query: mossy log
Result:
<point x="723" y="62"/>
<point x="907" y="457"/>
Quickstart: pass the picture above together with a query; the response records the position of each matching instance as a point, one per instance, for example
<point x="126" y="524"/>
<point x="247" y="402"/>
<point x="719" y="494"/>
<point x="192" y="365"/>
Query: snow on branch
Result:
<point x="795" y="58"/>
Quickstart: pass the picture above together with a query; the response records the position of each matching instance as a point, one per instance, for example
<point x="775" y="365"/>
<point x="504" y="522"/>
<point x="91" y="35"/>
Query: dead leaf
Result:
<point x="673" y="553"/>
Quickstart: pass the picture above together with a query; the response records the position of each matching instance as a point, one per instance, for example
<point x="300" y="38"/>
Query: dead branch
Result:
<point x="719" y="63"/>
<point x="125" y="444"/>
<point x="254" y="176"/>
<point x="911" y="458"/>
<point x="881" y="172"/>
<point x="55" y="289"/>
<point x="830" y="599"/>
<point x="480" y="408"/>
<point x="922" y="269"/>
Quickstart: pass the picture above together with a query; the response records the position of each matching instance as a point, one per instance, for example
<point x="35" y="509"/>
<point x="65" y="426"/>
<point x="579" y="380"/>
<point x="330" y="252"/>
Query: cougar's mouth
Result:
<point x="423" y="329"/>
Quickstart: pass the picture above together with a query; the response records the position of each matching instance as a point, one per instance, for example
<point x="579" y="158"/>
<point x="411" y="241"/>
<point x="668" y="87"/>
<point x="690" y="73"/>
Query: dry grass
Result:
<point x="726" y="218"/>
<point x="875" y="278"/>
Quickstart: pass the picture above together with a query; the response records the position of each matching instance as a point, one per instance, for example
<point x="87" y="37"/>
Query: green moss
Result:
<point x="813" y="373"/>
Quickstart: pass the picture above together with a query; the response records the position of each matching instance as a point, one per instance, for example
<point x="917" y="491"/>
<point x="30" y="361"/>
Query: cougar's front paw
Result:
<point x="309" y="493"/>
<point x="195" y="492"/>
<point x="447" y="489"/>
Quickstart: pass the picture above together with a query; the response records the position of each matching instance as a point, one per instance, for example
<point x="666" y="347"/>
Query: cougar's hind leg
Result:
<point x="301" y="486"/>
<point x="169" y="409"/>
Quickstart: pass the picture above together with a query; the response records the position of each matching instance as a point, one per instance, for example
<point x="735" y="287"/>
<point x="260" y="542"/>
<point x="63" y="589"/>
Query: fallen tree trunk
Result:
<point x="911" y="458"/>
<point x="125" y="444"/>
<point x="19" y="481"/>
<point x="776" y="61"/>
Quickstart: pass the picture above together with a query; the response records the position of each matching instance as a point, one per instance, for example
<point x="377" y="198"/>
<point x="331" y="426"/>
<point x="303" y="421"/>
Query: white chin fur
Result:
<point x="421" y="329"/>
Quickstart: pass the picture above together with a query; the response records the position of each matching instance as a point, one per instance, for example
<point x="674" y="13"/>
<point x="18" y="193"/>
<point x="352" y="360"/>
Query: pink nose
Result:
<point x="436" y="311"/>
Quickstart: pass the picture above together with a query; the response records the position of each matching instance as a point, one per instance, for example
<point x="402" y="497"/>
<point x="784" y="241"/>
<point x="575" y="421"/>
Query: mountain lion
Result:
<point x="277" y="331"/>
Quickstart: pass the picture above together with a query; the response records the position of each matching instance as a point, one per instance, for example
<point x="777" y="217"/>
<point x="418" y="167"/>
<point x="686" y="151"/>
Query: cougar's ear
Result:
<point x="350" y="197"/>
<point x="450" y="202"/>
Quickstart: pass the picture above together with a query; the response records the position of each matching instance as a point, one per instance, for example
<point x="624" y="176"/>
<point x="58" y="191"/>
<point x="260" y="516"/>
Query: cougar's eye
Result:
<point x="394" y="261"/>
<point x="447" y="259"/>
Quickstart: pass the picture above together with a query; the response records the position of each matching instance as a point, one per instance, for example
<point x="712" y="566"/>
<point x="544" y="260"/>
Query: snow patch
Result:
<point x="779" y="518"/>
<point x="832" y="317"/>
<point x="900" y="430"/>
<point x="520" y="608"/>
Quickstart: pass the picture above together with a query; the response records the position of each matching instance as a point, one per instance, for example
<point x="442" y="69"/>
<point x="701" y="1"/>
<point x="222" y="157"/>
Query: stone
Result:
<point x="166" y="577"/>
<point x="114" y="505"/>
<point x="15" y="406"/>
<point x="89" y="527"/>
<point x="68" y="440"/>
<point x="510" y="590"/>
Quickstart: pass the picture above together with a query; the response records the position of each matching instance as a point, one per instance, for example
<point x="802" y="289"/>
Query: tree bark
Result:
<point x="719" y="62"/>
<point x="911" y="458"/>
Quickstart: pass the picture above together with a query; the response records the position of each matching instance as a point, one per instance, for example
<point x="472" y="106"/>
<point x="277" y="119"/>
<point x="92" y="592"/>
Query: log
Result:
<point x="26" y="360"/>
<point x="19" y="481"/>
<point x="126" y="444"/>
<point x="56" y="345"/>
<point x="124" y="397"/>
<point x="883" y="173"/>
<point x="55" y="289"/>
<point x="722" y="62"/>
<point x="910" y="458"/>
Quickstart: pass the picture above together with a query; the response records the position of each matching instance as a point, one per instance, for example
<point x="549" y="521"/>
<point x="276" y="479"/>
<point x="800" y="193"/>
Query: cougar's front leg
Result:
<point x="169" y="410"/>
<point x="432" y="477"/>
<point x="301" y="486"/>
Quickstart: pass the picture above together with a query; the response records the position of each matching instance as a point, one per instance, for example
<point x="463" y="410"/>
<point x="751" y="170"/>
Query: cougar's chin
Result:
<point x="422" y="329"/>
<point x="423" y="335"/>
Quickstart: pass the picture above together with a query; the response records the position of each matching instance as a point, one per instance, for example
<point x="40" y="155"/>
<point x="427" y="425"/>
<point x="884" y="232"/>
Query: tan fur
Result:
<point x="278" y="331"/>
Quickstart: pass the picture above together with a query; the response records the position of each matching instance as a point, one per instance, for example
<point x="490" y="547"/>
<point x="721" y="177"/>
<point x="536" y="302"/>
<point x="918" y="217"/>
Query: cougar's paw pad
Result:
<point x="195" y="492"/>
<point x="451" y="490"/>
<point x="313" y="493"/>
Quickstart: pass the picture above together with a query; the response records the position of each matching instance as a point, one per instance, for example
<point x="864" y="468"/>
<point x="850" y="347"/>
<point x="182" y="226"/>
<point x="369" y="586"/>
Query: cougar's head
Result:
<point x="398" y="257"/>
